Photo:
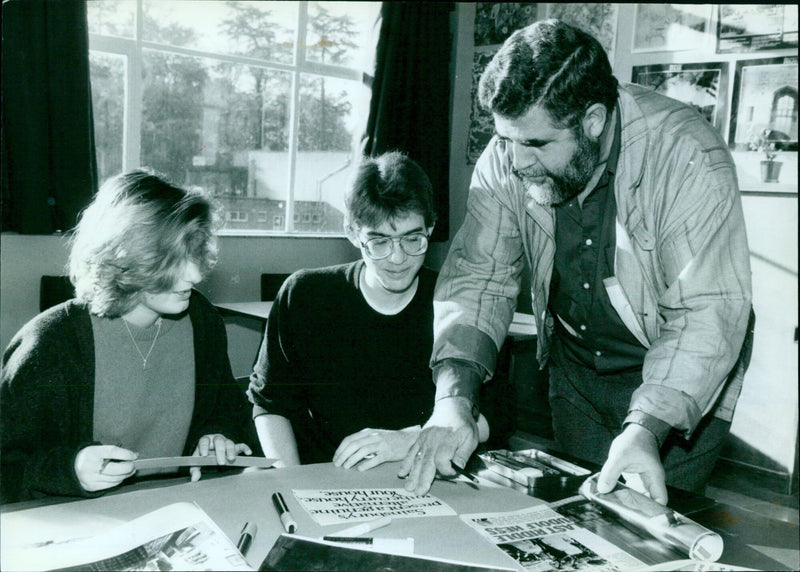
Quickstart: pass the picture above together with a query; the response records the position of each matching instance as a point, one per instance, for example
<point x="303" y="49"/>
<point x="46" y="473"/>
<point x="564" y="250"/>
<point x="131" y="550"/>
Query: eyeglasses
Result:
<point x="382" y="246"/>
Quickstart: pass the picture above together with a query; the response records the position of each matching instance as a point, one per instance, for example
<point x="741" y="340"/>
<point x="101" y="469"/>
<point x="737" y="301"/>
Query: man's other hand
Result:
<point x="635" y="450"/>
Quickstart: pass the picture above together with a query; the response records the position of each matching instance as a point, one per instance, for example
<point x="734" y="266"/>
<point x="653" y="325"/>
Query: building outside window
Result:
<point x="260" y="103"/>
<point x="236" y="216"/>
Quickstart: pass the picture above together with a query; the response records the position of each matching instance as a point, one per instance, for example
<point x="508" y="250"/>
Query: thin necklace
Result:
<point x="141" y="355"/>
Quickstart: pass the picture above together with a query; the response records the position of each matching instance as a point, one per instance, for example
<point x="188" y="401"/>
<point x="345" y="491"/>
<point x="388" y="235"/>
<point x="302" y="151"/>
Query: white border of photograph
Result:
<point x="684" y="39"/>
<point x="767" y="31"/>
<point x="692" y="94"/>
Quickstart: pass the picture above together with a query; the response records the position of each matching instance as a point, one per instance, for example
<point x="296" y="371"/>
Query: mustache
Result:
<point x="530" y="172"/>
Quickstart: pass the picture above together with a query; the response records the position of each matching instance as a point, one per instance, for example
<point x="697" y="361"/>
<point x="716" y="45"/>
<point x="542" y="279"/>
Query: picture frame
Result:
<point x="764" y="97"/>
<point x="670" y="27"/>
<point x="743" y="28"/>
<point x="702" y="85"/>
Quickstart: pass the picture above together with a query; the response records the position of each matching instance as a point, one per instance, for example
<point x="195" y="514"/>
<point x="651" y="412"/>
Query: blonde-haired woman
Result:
<point x="136" y="365"/>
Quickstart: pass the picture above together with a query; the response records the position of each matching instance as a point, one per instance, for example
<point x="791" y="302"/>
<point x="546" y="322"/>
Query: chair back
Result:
<point x="54" y="290"/>
<point x="270" y="284"/>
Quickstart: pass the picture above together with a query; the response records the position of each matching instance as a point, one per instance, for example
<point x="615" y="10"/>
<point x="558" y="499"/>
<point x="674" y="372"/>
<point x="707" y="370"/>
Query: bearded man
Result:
<point x="624" y="204"/>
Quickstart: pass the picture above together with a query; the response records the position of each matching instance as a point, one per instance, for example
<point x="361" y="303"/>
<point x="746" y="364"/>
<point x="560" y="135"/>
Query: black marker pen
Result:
<point x="288" y="522"/>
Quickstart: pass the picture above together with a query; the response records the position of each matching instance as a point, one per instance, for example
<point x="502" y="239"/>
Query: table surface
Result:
<point x="750" y="539"/>
<point x="522" y="324"/>
<point x="246" y="497"/>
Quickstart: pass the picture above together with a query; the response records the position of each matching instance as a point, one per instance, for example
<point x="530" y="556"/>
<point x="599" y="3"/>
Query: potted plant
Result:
<point x="770" y="168"/>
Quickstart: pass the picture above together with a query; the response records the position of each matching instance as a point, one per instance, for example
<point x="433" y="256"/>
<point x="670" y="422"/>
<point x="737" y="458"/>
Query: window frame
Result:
<point x="133" y="49"/>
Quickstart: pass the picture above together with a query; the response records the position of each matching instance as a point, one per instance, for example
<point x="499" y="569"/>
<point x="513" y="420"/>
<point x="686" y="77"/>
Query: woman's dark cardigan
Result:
<point x="47" y="397"/>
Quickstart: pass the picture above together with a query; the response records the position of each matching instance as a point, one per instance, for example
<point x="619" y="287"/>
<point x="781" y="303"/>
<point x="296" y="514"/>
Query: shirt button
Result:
<point x="583" y="327"/>
<point x="588" y="242"/>
<point x="598" y="353"/>
<point x="586" y="286"/>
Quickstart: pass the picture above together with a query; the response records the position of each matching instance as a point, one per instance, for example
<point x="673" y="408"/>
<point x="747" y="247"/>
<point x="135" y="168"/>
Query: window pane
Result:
<point x="111" y="17"/>
<point x="340" y="33"/>
<point x="330" y="122"/>
<point x="108" y="97"/>
<point x="264" y="30"/>
<point x="220" y="126"/>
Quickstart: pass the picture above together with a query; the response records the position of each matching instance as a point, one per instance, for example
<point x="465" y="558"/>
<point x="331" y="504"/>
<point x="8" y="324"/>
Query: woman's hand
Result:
<point x="370" y="447"/>
<point x="223" y="448"/>
<point x="101" y="467"/>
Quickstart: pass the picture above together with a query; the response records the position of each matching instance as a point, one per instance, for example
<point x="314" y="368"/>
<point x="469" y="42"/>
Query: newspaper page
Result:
<point x="337" y="506"/>
<point x="179" y="536"/>
<point x="540" y="539"/>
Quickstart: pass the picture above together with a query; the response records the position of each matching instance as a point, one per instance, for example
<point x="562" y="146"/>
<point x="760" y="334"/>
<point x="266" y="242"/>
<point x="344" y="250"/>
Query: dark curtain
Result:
<point x="410" y="107"/>
<point x="49" y="171"/>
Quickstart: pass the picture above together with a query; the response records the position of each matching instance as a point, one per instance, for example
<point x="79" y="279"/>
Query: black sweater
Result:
<point x="333" y="365"/>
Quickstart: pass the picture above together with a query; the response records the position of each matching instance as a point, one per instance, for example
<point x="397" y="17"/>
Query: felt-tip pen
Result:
<point x="246" y="537"/>
<point x="287" y="520"/>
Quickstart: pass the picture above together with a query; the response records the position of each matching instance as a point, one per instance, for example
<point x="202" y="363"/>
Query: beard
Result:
<point x="555" y="188"/>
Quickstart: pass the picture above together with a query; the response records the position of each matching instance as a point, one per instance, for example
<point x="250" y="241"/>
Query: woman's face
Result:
<point x="173" y="301"/>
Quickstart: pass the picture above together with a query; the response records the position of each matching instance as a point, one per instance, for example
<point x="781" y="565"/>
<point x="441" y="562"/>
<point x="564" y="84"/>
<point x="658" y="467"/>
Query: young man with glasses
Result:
<point x="343" y="371"/>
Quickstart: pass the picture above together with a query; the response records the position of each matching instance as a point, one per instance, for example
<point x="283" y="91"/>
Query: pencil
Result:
<point x="462" y="472"/>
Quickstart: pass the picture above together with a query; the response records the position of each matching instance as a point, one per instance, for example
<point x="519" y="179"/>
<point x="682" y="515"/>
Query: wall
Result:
<point x="765" y="425"/>
<point x="23" y="260"/>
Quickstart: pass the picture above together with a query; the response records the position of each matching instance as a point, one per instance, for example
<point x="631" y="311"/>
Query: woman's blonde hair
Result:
<point x="135" y="237"/>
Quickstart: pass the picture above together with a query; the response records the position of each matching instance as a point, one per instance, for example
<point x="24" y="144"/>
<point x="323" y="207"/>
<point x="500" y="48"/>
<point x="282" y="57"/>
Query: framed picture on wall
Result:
<point x="704" y="86"/>
<point x="756" y="27"/>
<point x="481" y="122"/>
<point x="496" y="21"/>
<point x="600" y="20"/>
<point x="764" y="99"/>
<point x="671" y="27"/>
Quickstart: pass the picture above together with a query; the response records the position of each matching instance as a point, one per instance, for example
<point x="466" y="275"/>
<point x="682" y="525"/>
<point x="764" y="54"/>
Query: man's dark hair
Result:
<point x="387" y="187"/>
<point x="551" y="64"/>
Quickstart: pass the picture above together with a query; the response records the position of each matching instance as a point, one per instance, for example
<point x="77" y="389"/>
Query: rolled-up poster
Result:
<point x="661" y="522"/>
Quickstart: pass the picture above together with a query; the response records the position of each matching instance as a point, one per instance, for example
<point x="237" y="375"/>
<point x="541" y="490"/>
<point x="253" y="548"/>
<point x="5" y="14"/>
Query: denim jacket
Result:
<point x="681" y="281"/>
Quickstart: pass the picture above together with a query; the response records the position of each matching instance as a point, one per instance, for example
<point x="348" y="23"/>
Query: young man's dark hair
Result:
<point x="386" y="187"/>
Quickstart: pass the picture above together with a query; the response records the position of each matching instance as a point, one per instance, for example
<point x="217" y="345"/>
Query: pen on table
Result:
<point x="463" y="473"/>
<point x="287" y="520"/>
<point x="246" y="537"/>
<point x="365" y="527"/>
